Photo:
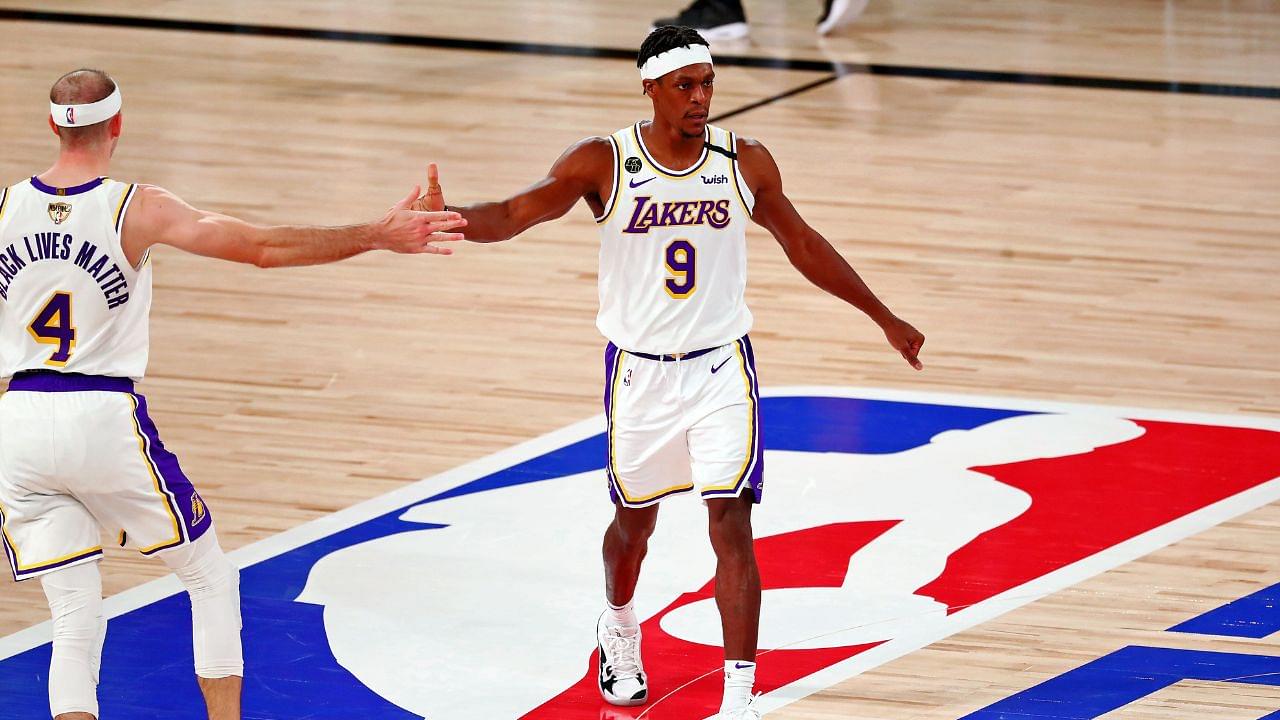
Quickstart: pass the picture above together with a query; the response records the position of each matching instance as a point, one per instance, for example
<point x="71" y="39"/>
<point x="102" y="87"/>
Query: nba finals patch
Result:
<point x="59" y="212"/>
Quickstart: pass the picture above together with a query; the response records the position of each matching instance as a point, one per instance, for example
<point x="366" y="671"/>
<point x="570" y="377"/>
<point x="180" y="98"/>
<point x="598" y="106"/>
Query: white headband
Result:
<point x="87" y="114"/>
<point x="674" y="59"/>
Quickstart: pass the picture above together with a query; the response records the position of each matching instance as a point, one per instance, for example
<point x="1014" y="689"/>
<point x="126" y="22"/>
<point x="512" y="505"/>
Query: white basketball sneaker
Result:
<point x="621" y="675"/>
<point x="838" y="13"/>
<point x="750" y="712"/>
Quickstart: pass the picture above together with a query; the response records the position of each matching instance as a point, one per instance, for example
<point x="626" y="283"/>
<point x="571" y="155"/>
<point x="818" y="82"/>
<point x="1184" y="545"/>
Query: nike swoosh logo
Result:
<point x="714" y="369"/>
<point x="739" y="666"/>
<point x="635" y="184"/>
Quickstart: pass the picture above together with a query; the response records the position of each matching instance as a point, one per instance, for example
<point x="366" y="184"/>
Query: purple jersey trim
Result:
<point x="47" y="189"/>
<point x="54" y="381"/>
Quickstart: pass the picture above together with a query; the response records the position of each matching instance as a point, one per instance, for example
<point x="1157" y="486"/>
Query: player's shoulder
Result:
<point x="749" y="146"/>
<point x="587" y="155"/>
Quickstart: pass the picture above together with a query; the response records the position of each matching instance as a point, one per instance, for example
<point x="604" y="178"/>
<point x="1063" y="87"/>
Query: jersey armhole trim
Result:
<point x="609" y="206"/>
<point x="739" y="184"/>
<point x="121" y="210"/>
<point x="4" y="200"/>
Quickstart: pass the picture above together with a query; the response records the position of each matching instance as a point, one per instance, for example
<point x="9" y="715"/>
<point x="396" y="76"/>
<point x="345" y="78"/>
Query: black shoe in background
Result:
<point x="714" y="19"/>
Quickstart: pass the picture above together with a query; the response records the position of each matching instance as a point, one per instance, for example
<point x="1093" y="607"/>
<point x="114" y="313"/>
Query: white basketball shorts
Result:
<point x="680" y="424"/>
<point x="79" y="455"/>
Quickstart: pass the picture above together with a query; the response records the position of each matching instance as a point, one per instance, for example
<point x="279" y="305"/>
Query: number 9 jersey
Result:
<point x="69" y="300"/>
<point x="673" y="249"/>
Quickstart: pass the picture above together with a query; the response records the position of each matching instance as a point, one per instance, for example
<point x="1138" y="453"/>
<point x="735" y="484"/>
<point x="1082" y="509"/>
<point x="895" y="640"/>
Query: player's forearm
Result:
<point x="288" y="246"/>
<point x="488" y="222"/>
<point x="827" y="269"/>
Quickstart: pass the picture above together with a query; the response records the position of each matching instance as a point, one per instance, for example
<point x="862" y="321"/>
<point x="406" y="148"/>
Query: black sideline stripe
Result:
<point x="556" y="50"/>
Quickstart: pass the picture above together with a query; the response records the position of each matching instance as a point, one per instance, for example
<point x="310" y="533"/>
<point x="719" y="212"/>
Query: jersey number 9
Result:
<point x="682" y="264"/>
<point x="52" y="326"/>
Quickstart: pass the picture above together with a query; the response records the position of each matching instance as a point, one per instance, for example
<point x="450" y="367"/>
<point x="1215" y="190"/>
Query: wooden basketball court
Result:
<point x="1075" y="202"/>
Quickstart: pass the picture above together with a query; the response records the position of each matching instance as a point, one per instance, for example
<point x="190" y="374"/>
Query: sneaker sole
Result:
<point x="842" y="12"/>
<point x="731" y="31"/>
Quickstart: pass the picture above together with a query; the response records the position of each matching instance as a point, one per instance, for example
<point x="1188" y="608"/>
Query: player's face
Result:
<point x="683" y="97"/>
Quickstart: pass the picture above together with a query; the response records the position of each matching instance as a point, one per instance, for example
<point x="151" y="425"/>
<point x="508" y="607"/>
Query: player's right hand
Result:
<point x="405" y="230"/>
<point x="434" y="198"/>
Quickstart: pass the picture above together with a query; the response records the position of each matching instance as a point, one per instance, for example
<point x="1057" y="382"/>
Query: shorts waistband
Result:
<point x="672" y="357"/>
<point x="54" y="381"/>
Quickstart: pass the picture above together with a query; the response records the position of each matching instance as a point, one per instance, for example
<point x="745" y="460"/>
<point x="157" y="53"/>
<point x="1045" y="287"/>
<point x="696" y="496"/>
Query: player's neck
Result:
<point x="76" y="167"/>
<point x="669" y="145"/>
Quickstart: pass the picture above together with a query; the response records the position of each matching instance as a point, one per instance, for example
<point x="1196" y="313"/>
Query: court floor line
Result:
<point x="559" y="50"/>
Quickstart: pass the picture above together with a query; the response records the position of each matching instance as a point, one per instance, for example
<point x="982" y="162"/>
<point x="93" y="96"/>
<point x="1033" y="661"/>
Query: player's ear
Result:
<point x="649" y="86"/>
<point x="53" y="126"/>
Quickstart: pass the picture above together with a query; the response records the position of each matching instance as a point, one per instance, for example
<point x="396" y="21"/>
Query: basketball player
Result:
<point x="78" y="452"/>
<point x="672" y="197"/>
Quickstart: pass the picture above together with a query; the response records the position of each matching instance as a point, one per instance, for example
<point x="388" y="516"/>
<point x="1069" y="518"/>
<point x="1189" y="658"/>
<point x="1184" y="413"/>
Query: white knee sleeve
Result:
<point x="214" y="586"/>
<point x="75" y="599"/>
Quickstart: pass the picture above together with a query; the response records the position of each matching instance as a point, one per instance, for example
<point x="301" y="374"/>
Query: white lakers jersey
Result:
<point x="69" y="301"/>
<point x="673" y="249"/>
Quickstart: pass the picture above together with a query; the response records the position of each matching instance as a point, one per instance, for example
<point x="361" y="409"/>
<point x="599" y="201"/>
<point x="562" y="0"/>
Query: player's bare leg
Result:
<point x="222" y="696"/>
<point x="75" y="716"/>
<point x="621" y="677"/>
<point x="737" y="596"/>
<point x="626" y="542"/>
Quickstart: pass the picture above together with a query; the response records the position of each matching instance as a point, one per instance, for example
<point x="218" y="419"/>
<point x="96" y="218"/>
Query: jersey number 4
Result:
<point x="52" y="326"/>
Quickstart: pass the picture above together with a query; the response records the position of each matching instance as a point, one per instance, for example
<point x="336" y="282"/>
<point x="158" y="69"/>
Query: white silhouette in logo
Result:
<point x="495" y="614"/>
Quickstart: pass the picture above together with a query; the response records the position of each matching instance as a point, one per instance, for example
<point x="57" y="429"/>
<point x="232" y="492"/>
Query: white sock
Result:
<point x="739" y="679"/>
<point x="623" y="617"/>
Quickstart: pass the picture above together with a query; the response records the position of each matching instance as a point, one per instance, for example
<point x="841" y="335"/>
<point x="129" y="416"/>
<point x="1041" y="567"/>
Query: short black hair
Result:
<point x="668" y="37"/>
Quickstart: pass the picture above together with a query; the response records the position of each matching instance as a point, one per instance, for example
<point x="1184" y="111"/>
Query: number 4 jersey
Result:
<point x="69" y="300"/>
<point x="673" y="248"/>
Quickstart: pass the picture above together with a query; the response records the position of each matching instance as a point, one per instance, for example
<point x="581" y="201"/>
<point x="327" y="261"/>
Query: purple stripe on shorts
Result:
<point x="54" y="381"/>
<point x="8" y="551"/>
<point x="611" y="353"/>
<point x="753" y="476"/>
<point x="181" y="494"/>
<point x="41" y="569"/>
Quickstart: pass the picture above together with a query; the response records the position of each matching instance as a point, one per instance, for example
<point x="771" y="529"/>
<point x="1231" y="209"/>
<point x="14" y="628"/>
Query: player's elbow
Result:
<point x="263" y="259"/>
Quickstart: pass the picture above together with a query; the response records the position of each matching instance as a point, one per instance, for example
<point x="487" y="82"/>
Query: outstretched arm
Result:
<point x="157" y="216"/>
<point x="584" y="171"/>
<point x="812" y="255"/>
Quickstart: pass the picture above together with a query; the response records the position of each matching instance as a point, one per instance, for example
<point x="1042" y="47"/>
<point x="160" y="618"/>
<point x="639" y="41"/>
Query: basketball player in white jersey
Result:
<point x="78" y="452"/>
<point x="672" y="197"/>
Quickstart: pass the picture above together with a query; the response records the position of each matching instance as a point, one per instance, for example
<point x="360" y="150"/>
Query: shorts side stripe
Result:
<point x="749" y="462"/>
<point x="158" y="484"/>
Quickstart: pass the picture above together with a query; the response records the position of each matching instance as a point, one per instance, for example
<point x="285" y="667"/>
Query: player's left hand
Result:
<point x="433" y="200"/>
<point x="905" y="339"/>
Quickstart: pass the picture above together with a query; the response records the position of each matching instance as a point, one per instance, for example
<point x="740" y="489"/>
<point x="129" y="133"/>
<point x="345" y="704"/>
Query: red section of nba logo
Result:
<point x="813" y="558"/>
<point x="1081" y="504"/>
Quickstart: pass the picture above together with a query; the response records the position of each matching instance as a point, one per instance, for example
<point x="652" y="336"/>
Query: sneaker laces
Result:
<point x="749" y="712"/>
<point x="623" y="652"/>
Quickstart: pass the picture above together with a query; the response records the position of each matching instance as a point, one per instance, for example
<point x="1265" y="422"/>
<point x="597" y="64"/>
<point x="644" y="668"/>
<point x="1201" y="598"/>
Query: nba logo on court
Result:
<point x="892" y="520"/>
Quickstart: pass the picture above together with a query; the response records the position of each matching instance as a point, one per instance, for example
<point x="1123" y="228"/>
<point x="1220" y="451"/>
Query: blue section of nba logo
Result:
<point x="1254" y="616"/>
<point x="291" y="671"/>
<point x="1132" y="673"/>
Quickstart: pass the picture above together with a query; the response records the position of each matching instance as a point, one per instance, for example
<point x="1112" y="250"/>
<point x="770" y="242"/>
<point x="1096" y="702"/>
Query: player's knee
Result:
<point x="75" y="602"/>
<point x="729" y="526"/>
<point x="213" y="583"/>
